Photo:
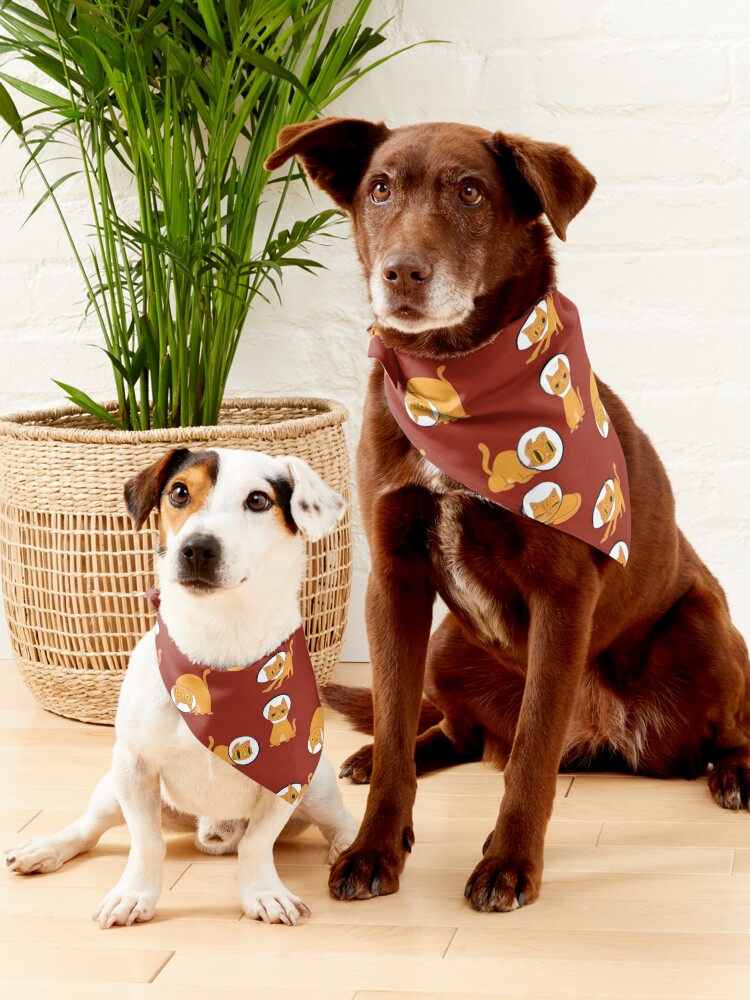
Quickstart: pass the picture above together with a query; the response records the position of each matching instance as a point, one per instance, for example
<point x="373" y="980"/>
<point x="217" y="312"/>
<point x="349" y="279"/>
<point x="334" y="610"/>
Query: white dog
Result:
<point x="229" y="568"/>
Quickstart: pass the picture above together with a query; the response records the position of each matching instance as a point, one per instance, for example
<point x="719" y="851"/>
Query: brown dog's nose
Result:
<point x="408" y="269"/>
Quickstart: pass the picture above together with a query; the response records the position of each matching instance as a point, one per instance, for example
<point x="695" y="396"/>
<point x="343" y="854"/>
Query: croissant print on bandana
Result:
<point x="520" y="421"/>
<point x="263" y="719"/>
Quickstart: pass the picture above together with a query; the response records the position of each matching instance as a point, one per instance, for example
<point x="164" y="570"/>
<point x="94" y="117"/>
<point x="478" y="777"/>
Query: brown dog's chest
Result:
<point x="470" y="575"/>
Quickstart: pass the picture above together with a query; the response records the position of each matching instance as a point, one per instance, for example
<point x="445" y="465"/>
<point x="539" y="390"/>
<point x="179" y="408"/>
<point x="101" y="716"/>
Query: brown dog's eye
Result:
<point x="470" y="195"/>
<point x="380" y="192"/>
<point x="179" y="495"/>
<point x="258" y="501"/>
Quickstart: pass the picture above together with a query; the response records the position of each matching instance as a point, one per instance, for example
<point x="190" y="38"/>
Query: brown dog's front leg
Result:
<point x="510" y="873"/>
<point x="399" y="614"/>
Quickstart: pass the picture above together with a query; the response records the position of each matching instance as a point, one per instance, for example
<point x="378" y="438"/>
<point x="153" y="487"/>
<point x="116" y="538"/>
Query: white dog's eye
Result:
<point x="179" y="495"/>
<point x="258" y="500"/>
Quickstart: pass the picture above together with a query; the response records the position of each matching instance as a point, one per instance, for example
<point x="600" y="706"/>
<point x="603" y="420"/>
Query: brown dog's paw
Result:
<point x="358" y="767"/>
<point x="501" y="884"/>
<point x="729" y="782"/>
<point x="361" y="873"/>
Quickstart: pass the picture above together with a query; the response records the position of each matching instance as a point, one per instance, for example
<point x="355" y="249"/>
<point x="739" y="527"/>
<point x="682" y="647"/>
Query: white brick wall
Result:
<point x="653" y="96"/>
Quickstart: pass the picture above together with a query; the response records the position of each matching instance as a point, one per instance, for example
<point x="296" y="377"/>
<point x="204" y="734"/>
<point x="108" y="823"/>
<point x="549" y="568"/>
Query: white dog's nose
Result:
<point x="200" y="551"/>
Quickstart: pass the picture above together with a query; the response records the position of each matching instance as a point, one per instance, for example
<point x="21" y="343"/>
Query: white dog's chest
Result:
<point x="204" y="785"/>
<point x="193" y="779"/>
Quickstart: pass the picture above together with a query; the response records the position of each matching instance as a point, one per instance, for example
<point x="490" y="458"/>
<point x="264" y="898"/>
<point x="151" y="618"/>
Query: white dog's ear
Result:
<point x="315" y="507"/>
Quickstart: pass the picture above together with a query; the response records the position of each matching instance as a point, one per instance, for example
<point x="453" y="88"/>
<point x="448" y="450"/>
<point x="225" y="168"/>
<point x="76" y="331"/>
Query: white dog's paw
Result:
<point x="124" y="906"/>
<point x="274" y="906"/>
<point x="219" y="836"/>
<point x="37" y="856"/>
<point x="344" y="838"/>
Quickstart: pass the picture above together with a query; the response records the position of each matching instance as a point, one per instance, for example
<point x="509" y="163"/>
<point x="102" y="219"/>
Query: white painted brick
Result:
<point x="430" y="81"/>
<point x="741" y="67"/>
<point x="635" y="79"/>
<point x="669" y="145"/>
<point x="666" y="216"/>
<point x="705" y="283"/>
<point x="673" y="19"/>
<point x="473" y="22"/>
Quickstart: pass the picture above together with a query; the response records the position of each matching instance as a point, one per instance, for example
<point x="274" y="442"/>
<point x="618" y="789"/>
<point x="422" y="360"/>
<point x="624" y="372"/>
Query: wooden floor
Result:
<point x="646" y="894"/>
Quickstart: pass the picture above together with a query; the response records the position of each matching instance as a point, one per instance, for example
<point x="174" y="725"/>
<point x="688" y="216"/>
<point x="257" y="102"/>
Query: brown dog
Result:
<point x="552" y="653"/>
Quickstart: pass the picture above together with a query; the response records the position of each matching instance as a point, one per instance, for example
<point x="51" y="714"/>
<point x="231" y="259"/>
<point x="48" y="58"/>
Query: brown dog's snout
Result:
<point x="406" y="270"/>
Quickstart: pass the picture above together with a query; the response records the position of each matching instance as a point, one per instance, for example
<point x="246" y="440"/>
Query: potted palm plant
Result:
<point x="185" y="99"/>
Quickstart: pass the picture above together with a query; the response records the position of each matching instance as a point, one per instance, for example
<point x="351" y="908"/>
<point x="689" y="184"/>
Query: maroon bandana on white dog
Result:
<point x="520" y="422"/>
<point x="264" y="719"/>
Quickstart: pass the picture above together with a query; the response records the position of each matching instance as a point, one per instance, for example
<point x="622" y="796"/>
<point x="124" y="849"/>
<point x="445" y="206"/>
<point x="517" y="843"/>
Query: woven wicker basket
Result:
<point x="73" y="569"/>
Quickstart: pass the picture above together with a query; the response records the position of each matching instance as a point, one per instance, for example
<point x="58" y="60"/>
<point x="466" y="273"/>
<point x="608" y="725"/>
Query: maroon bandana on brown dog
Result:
<point x="265" y="719"/>
<point x="520" y="422"/>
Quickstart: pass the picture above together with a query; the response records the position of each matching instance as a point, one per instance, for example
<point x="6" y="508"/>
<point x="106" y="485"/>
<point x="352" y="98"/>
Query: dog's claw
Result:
<point x="408" y="840"/>
<point x="345" y="772"/>
<point x="468" y="890"/>
<point x="375" y="887"/>
<point x="521" y="899"/>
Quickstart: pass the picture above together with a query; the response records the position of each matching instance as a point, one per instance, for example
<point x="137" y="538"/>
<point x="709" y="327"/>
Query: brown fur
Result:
<point x="151" y="488"/>
<point x="552" y="653"/>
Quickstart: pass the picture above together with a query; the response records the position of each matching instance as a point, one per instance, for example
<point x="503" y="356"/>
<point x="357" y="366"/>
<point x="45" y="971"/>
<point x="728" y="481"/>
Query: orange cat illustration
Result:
<point x="560" y="385"/>
<point x="191" y="695"/>
<point x="277" y="671"/>
<point x="600" y="414"/>
<point x="542" y="328"/>
<point x="315" y="743"/>
<point x="282" y="729"/>
<point x="507" y="469"/>
<point x="619" y="551"/>
<point x="242" y="750"/>
<point x="552" y="507"/>
<point x="294" y="792"/>
<point x="431" y="401"/>
<point x="610" y="504"/>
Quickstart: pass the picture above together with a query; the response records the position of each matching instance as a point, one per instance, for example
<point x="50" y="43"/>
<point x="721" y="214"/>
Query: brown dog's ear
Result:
<point x="543" y="177"/>
<point x="142" y="492"/>
<point x="334" y="152"/>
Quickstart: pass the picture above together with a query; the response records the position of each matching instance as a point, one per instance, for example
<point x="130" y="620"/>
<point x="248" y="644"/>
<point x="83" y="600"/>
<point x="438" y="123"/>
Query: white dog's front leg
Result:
<point x="262" y="893"/>
<point x="47" y="853"/>
<point x="138" y="791"/>
<point x="323" y="806"/>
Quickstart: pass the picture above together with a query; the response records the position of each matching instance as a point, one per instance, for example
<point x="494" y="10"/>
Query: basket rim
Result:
<point x="30" y="424"/>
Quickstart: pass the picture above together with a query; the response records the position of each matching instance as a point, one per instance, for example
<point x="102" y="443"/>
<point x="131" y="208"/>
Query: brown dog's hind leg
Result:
<point x="456" y="738"/>
<point x="729" y="780"/>
<point x="434" y="751"/>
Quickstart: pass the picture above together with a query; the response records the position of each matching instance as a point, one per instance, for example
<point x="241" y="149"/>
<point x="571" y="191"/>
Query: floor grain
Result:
<point x="646" y="894"/>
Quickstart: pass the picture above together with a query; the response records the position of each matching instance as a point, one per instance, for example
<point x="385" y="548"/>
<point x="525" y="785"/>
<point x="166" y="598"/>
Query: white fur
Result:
<point x="157" y="761"/>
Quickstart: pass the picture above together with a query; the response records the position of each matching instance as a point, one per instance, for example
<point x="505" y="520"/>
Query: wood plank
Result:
<point x="169" y="931"/>
<point x="101" y="964"/>
<point x="12" y="821"/>
<point x="599" y="995"/>
<point x="93" y="870"/>
<point x="586" y="858"/>
<point x="621" y="797"/>
<point x="741" y="862"/>
<point x="729" y="834"/>
<point x="623" y="978"/>
<point x="78" y="990"/>
<point x="614" y="946"/>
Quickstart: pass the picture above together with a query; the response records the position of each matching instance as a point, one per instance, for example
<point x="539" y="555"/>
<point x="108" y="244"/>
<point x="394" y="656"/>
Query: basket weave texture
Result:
<point x="74" y="571"/>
